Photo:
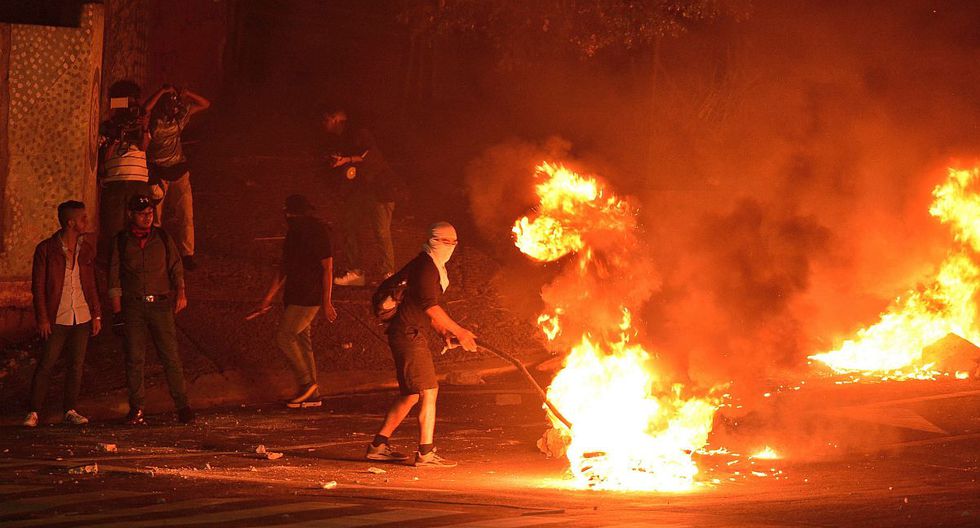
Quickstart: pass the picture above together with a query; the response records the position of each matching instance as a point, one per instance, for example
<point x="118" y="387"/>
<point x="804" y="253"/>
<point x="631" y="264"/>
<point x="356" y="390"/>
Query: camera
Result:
<point x="171" y="103"/>
<point x="125" y="124"/>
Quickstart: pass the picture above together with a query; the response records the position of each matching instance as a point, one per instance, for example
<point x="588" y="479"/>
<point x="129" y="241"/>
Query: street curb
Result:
<point x="237" y="387"/>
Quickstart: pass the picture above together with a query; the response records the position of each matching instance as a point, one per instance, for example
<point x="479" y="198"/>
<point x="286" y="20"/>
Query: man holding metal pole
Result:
<point x="426" y="279"/>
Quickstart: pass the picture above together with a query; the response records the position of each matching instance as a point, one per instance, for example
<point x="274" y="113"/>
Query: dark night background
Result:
<point x="781" y="153"/>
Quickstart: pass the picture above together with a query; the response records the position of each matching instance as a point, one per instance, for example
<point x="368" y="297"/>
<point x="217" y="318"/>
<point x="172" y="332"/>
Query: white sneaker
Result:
<point x="31" y="420"/>
<point x="73" y="418"/>
<point x="351" y="278"/>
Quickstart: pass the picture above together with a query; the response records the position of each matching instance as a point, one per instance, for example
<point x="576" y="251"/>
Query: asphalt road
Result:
<point x="890" y="454"/>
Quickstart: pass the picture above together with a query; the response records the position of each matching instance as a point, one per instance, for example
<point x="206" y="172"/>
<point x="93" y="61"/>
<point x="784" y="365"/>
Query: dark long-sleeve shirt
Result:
<point x="145" y="269"/>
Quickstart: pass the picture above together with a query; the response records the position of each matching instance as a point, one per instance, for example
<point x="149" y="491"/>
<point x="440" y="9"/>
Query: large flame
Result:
<point x="893" y="348"/>
<point x="631" y="428"/>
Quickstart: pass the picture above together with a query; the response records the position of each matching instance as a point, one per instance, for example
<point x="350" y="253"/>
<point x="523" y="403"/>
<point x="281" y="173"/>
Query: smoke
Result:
<point x="782" y="168"/>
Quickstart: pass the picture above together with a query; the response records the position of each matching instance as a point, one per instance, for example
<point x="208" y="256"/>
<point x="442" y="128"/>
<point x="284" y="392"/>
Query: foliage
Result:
<point x="586" y="27"/>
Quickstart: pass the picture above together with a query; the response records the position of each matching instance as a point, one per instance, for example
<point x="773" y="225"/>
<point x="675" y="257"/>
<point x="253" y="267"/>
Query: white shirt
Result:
<point x="128" y="163"/>
<point x="72" y="309"/>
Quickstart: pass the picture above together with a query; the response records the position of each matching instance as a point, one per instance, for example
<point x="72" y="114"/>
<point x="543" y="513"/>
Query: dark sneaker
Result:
<point x="384" y="453"/>
<point x="307" y="393"/>
<point x="135" y="417"/>
<point x="185" y="415"/>
<point x="189" y="263"/>
<point x="432" y="460"/>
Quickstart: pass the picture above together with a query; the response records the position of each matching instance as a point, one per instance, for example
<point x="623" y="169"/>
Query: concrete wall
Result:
<point x="50" y="86"/>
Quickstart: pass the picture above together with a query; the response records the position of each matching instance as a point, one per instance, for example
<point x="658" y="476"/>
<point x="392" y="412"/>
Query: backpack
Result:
<point x="389" y="296"/>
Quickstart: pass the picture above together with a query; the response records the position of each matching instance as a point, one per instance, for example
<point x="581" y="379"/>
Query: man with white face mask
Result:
<point x="426" y="279"/>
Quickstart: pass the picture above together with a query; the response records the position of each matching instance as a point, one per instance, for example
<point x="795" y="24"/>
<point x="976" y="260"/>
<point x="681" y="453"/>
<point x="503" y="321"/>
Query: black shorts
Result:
<point x="413" y="361"/>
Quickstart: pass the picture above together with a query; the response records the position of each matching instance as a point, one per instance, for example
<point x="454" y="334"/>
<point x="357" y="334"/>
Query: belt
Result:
<point x="152" y="298"/>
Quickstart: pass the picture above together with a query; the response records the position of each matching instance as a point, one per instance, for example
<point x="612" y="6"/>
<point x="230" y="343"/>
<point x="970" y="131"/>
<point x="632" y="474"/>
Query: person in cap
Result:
<point x="306" y="276"/>
<point x="426" y="279"/>
<point x="66" y="307"/>
<point x="146" y="288"/>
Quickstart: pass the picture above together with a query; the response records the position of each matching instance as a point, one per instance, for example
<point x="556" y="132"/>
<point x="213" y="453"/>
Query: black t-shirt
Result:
<point x="307" y="243"/>
<point x="423" y="292"/>
<point x="374" y="175"/>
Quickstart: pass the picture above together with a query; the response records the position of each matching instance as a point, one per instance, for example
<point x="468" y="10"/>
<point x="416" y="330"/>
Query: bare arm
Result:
<point x="155" y="98"/>
<point x="448" y="328"/>
<point x="328" y="310"/>
<point x="198" y="103"/>
<point x="274" y="288"/>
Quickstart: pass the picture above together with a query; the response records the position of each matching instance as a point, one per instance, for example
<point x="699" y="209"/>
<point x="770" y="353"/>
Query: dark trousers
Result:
<point x="364" y="210"/>
<point x="74" y="338"/>
<point x="153" y="321"/>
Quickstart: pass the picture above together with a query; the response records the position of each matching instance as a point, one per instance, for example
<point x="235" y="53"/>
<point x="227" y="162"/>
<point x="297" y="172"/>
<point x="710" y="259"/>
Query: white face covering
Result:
<point x="440" y="250"/>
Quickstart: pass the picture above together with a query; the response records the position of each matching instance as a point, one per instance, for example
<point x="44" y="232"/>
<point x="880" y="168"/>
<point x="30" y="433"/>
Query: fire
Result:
<point x="632" y="429"/>
<point x="568" y="203"/>
<point x="893" y="348"/>
<point x="766" y="453"/>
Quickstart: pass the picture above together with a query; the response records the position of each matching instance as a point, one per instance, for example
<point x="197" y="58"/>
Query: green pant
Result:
<point x="154" y="321"/>
<point x="293" y="338"/>
<point x="74" y="340"/>
<point x="364" y="210"/>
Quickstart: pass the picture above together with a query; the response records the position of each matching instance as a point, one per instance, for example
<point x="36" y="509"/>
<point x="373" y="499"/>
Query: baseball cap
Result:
<point x="139" y="202"/>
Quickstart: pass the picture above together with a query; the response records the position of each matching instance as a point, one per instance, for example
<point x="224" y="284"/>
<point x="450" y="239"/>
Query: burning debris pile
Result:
<point x="633" y="428"/>
<point x="897" y="347"/>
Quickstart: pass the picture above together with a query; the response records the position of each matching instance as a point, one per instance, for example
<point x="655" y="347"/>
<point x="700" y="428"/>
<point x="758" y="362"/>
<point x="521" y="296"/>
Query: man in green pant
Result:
<point x="146" y="287"/>
<point x="307" y="274"/>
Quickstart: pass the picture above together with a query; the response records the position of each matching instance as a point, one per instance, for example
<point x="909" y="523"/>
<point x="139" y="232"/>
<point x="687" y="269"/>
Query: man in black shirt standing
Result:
<point x="427" y="279"/>
<point x="369" y="186"/>
<point x="307" y="273"/>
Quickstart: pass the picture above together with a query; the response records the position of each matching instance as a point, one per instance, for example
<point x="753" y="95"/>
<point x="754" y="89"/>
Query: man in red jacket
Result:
<point x="66" y="307"/>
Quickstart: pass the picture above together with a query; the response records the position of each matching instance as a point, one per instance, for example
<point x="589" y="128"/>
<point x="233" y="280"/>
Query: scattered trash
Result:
<point x="329" y="485"/>
<point x="347" y="346"/>
<point x="269" y="455"/>
<point x="207" y="466"/>
<point x="508" y="399"/>
<point x="84" y="470"/>
<point x="260" y="449"/>
<point x="376" y="471"/>
<point x="107" y="448"/>
<point x="553" y="443"/>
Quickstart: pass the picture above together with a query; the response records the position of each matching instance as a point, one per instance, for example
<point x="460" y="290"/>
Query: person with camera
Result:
<point x="66" y="307"/>
<point x="170" y="110"/>
<point x="123" y="170"/>
<point x="426" y="280"/>
<point x="146" y="288"/>
<point x="369" y="186"/>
